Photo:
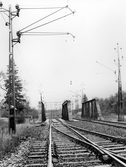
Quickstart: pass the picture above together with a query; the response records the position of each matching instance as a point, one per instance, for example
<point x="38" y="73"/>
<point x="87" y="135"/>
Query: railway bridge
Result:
<point x="90" y="110"/>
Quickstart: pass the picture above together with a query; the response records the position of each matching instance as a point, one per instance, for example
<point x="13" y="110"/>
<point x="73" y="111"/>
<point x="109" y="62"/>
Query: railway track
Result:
<point x="103" y="122"/>
<point x="113" y="144"/>
<point x="70" y="149"/>
<point x="58" y="145"/>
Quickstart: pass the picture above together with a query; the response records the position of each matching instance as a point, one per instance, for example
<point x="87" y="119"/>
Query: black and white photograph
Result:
<point x="62" y="83"/>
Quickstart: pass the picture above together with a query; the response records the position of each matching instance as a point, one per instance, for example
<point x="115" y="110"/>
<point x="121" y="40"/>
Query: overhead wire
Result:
<point x="46" y="33"/>
<point x="42" y="18"/>
<point x="70" y="9"/>
<point x="46" y="23"/>
<point x="3" y="17"/>
<point x="41" y="8"/>
<point x="106" y="67"/>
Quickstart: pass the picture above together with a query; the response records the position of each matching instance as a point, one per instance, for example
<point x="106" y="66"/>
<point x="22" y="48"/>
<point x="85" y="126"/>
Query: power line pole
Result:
<point x="11" y="91"/>
<point x="120" y="102"/>
<point x="12" y="124"/>
<point x="12" y="42"/>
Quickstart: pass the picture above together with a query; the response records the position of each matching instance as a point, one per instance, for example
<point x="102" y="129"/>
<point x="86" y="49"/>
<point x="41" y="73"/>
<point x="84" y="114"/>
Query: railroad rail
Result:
<point x="103" y="122"/>
<point x="70" y="149"/>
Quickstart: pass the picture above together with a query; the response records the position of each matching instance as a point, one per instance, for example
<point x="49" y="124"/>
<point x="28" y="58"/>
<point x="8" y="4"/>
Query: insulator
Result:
<point x="17" y="6"/>
<point x="18" y="33"/>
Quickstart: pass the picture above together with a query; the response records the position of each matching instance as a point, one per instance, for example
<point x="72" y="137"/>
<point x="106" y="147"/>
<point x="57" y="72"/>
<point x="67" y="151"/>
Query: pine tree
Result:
<point x="19" y="97"/>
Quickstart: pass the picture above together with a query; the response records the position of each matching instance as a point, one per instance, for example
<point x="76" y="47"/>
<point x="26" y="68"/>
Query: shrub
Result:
<point x="4" y="113"/>
<point x="20" y="118"/>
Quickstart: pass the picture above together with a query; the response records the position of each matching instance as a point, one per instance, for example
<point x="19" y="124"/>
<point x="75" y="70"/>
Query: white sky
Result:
<point x="54" y="61"/>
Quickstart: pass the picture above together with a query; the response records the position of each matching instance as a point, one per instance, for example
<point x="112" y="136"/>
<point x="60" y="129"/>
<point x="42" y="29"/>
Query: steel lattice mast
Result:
<point x="120" y="99"/>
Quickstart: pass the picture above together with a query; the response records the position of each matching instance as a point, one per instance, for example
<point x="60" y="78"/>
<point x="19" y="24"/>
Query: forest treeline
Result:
<point x="110" y="104"/>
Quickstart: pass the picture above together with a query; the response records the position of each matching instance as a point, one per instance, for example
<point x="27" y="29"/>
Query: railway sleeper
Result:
<point x="73" y="151"/>
<point x="38" y="154"/>
<point x="99" y="153"/>
<point x="96" y="163"/>
<point x="36" y="165"/>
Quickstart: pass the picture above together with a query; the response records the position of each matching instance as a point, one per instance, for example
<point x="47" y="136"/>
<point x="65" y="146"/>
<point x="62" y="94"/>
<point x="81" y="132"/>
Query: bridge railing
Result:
<point x="91" y="110"/>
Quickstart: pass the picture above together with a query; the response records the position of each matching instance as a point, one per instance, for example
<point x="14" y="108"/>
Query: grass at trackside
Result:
<point x="112" y="117"/>
<point x="3" y="123"/>
<point x="8" y="143"/>
<point x="107" y="117"/>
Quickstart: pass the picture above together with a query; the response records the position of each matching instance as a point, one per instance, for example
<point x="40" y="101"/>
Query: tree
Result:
<point x="19" y="96"/>
<point x="110" y="105"/>
<point x="2" y="78"/>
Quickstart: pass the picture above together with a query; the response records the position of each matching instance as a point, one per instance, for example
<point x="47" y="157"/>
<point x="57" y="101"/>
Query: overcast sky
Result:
<point x="49" y="63"/>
